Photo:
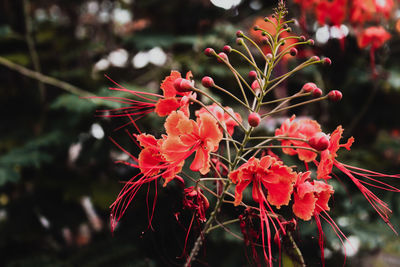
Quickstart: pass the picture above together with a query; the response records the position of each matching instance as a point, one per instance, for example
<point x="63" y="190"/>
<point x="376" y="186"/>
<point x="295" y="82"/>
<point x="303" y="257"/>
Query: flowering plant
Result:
<point x="226" y="155"/>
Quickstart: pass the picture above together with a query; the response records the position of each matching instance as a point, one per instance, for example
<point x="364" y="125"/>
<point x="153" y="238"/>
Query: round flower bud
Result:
<point x="335" y="95"/>
<point x="264" y="40"/>
<point x="308" y="87"/>
<point x="255" y="86"/>
<point x="239" y="34"/>
<point x="293" y="51"/>
<point x="316" y="92"/>
<point x="253" y="75"/>
<point x="256" y="28"/>
<point x="327" y="61"/>
<point x="319" y="141"/>
<point x="209" y="52"/>
<point x="302" y="38"/>
<point x="269" y="56"/>
<point x="239" y="41"/>
<point x="184" y="86"/>
<point x="207" y="82"/>
<point x="227" y="49"/>
<point x="315" y="58"/>
<point x="311" y="42"/>
<point x="223" y="56"/>
<point x="254" y="119"/>
<point x="177" y="84"/>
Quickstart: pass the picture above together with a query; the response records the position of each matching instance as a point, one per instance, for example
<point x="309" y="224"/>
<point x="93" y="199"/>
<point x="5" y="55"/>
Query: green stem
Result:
<point x="221" y="224"/>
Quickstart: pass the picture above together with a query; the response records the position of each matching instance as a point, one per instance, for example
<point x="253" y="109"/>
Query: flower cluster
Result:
<point x="226" y="155"/>
<point x="364" y="17"/>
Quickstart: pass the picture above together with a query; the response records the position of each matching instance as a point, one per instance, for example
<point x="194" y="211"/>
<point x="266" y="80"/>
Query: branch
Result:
<point x="45" y="79"/>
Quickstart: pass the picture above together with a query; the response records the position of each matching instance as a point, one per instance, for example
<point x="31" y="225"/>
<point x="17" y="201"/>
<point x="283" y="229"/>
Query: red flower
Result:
<point x="151" y="161"/>
<point x="193" y="199"/>
<point x="373" y="36"/>
<point x="278" y="179"/>
<point x="310" y="197"/>
<point x="333" y="12"/>
<point x="173" y="99"/>
<point x="185" y="136"/>
<point x="269" y="173"/>
<point x="384" y="7"/>
<point x="304" y="129"/>
<point x="360" y="177"/>
<point x="225" y="118"/>
<point x="328" y="156"/>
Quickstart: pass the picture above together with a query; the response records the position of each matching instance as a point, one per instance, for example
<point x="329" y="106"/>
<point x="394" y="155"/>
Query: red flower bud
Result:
<point x="186" y="85"/>
<point x="183" y="85"/>
<point x="227" y="49"/>
<point x="302" y="38"/>
<point x="254" y="119"/>
<point x="239" y="34"/>
<point x="177" y="84"/>
<point x="308" y="87"/>
<point x="253" y="75"/>
<point x="327" y="61"/>
<point x="311" y="41"/>
<point x="264" y="40"/>
<point x="207" y="82"/>
<point x="315" y="58"/>
<point x="316" y="92"/>
<point x="239" y="41"/>
<point x="319" y="141"/>
<point x="293" y="51"/>
<point x="209" y="52"/>
<point x="223" y="56"/>
<point x="255" y="86"/>
<point x="335" y="95"/>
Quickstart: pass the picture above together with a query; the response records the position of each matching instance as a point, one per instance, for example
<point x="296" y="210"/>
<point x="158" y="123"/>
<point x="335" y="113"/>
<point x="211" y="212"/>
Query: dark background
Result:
<point x="52" y="158"/>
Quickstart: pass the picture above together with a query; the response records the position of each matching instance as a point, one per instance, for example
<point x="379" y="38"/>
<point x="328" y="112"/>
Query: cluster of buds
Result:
<point x="225" y="156"/>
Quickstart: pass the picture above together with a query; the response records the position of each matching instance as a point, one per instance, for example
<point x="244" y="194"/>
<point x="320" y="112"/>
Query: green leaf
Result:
<point x="8" y="175"/>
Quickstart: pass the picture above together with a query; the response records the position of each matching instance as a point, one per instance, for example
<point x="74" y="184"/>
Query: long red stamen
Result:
<point x="379" y="206"/>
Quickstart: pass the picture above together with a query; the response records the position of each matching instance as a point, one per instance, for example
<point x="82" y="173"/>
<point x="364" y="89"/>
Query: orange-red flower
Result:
<point x="373" y="36"/>
<point x="225" y="118"/>
<point x="185" y="136"/>
<point x="151" y="161"/>
<point x="328" y="156"/>
<point x="194" y="199"/>
<point x="310" y="197"/>
<point x="268" y="173"/>
<point x="304" y="129"/>
<point x="333" y="12"/>
<point x="173" y="100"/>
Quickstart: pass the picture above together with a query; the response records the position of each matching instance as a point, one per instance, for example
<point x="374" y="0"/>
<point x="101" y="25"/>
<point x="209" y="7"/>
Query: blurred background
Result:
<point x="57" y="171"/>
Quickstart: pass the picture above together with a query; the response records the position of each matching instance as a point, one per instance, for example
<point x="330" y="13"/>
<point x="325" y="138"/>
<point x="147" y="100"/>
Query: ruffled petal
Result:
<point x="167" y="84"/>
<point x="149" y="161"/>
<point x="209" y="131"/>
<point x="165" y="106"/>
<point x="174" y="150"/>
<point x="304" y="206"/>
<point x="200" y="162"/>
